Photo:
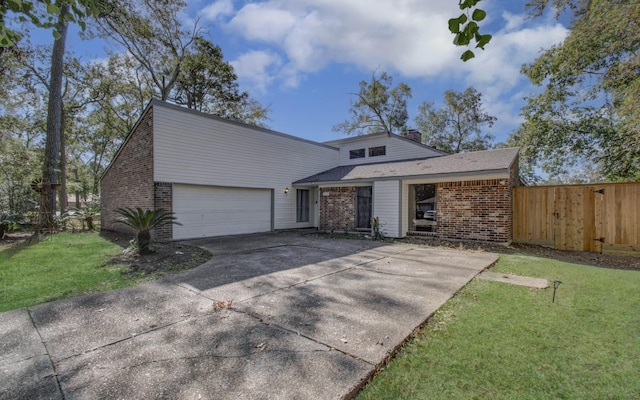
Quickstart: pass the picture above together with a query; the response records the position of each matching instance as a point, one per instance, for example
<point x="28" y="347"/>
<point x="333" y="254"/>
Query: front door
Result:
<point x="363" y="213"/>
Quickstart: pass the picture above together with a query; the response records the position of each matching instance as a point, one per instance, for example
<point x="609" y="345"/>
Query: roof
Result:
<point x="455" y="164"/>
<point x="341" y="142"/>
<point x="159" y="103"/>
<point x="156" y="102"/>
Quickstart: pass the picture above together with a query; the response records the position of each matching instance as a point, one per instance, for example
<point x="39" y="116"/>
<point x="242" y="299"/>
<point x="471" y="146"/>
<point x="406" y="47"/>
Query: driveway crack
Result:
<point x="46" y="350"/>
<point x="298" y="333"/>
<point x="303" y="282"/>
<point x="133" y="336"/>
<point x="211" y="355"/>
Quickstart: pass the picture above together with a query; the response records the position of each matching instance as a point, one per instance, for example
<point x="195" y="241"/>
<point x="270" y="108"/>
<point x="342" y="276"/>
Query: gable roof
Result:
<point x="159" y="103"/>
<point x="354" y="139"/>
<point x="473" y="163"/>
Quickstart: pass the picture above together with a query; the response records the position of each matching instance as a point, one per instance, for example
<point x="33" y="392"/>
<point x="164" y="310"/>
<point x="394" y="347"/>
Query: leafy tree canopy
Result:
<point x="588" y="109"/>
<point x="457" y="126"/>
<point x="42" y="13"/>
<point x="208" y="83"/>
<point x="378" y="107"/>
<point x="178" y="63"/>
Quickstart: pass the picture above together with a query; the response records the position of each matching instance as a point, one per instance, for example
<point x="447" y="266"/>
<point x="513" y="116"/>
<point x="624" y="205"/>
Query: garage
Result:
<point x="206" y="211"/>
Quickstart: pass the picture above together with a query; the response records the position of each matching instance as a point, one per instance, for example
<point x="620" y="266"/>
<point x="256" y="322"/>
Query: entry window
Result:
<point x="359" y="153"/>
<point x="377" y="151"/>
<point x="426" y="214"/>
<point x="302" y="205"/>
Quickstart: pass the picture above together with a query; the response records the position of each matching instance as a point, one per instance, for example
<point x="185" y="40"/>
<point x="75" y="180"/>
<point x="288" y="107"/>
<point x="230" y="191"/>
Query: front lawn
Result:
<point x="62" y="265"/>
<point x="499" y="341"/>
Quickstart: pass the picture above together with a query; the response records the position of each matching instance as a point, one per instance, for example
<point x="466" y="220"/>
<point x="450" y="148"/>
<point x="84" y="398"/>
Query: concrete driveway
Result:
<point x="309" y="318"/>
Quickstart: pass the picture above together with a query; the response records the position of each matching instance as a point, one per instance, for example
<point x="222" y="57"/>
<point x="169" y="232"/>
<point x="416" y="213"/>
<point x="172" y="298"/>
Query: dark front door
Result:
<point x="363" y="214"/>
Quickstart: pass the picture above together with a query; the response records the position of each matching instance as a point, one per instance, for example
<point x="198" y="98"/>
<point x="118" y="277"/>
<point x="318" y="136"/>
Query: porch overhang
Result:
<point x="497" y="163"/>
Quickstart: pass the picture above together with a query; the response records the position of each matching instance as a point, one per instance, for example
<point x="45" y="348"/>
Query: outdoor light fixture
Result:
<point x="286" y="190"/>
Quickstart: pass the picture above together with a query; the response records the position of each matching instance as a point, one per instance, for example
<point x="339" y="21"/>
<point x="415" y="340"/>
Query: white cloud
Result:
<point x="263" y="22"/>
<point x="256" y="68"/>
<point x="496" y="70"/>
<point x="408" y="38"/>
<point x="217" y="9"/>
<point x="513" y="21"/>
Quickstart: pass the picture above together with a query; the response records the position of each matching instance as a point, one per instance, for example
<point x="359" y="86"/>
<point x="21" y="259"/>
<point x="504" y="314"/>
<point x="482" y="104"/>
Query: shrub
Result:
<point x="7" y="221"/>
<point x="143" y="221"/>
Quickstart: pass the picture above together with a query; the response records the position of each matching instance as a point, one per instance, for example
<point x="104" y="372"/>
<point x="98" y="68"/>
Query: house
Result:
<point x="222" y="177"/>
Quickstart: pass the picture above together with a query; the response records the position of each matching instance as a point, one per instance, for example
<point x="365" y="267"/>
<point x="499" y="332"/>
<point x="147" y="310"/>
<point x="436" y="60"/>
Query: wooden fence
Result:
<point x="599" y="218"/>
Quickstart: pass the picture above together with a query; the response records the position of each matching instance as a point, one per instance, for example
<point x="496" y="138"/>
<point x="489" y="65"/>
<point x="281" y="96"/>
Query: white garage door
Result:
<point x="206" y="211"/>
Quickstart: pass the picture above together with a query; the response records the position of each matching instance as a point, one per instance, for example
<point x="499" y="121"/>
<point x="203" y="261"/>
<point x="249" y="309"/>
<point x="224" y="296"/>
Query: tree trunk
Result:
<point x="62" y="198"/>
<point x="75" y="175"/>
<point x="54" y="111"/>
<point x="144" y="240"/>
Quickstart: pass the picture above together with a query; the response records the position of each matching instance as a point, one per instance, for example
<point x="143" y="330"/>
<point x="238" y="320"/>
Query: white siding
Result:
<point x="386" y="206"/>
<point x="396" y="149"/>
<point x="191" y="148"/>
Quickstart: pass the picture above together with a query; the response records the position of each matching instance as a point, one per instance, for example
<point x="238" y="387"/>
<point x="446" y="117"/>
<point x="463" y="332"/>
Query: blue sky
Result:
<point x="305" y="57"/>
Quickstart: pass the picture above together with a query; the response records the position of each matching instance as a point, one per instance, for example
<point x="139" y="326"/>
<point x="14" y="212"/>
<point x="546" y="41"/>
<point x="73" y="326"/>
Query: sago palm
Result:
<point x="143" y="221"/>
<point x="6" y="220"/>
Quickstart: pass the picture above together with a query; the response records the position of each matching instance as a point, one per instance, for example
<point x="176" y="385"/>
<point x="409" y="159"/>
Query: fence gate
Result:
<point x="575" y="219"/>
<point x="596" y="218"/>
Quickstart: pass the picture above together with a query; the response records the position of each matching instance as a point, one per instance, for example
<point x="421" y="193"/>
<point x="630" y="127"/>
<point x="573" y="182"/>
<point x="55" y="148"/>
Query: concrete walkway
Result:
<point x="309" y="318"/>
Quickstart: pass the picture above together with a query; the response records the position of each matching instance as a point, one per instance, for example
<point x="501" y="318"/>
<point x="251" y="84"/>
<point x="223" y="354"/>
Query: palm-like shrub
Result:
<point x="85" y="214"/>
<point x="6" y="220"/>
<point x="143" y="221"/>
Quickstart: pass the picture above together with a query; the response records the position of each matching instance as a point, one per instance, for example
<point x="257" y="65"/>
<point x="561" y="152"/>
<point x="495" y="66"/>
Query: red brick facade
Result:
<point x="475" y="210"/>
<point x="129" y="180"/>
<point x="338" y="208"/>
<point x="163" y="198"/>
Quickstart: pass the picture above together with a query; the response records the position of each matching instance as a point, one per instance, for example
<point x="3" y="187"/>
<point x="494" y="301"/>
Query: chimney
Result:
<point x="415" y="135"/>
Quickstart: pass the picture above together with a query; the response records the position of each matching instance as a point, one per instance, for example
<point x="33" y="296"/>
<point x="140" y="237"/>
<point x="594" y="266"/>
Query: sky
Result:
<point x="305" y="58"/>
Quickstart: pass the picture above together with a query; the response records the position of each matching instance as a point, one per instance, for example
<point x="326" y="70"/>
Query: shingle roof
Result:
<point x="459" y="164"/>
<point x="341" y="142"/>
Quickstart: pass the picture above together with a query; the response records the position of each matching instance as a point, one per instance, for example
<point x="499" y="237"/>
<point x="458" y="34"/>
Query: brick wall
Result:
<point x="129" y="180"/>
<point x="475" y="210"/>
<point x="338" y="208"/>
<point x="163" y="198"/>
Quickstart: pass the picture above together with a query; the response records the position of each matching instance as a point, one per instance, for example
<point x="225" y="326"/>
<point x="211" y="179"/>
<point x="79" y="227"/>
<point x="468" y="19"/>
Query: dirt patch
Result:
<point x="594" y="259"/>
<point x="167" y="257"/>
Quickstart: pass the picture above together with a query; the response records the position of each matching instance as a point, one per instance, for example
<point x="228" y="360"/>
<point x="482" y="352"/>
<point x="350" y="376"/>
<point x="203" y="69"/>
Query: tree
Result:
<point x="151" y="32"/>
<point x="54" y="123"/>
<point x="378" y="108"/>
<point x="22" y="123"/>
<point x="208" y="83"/>
<point x="457" y="127"/>
<point x="177" y="63"/>
<point x="588" y="110"/>
<point x="125" y="92"/>
<point x="56" y="15"/>
<point x="17" y="166"/>
<point x="43" y="17"/>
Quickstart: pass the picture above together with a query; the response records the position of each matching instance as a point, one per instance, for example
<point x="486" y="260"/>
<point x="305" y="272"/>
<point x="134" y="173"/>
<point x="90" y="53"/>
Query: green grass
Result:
<point x="499" y="341"/>
<point x="62" y="265"/>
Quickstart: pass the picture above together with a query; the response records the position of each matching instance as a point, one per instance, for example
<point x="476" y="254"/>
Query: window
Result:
<point x="377" y="151"/>
<point x="302" y="205"/>
<point x="356" y="154"/>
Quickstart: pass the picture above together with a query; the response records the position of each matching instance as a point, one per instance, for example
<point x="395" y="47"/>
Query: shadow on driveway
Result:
<point x="310" y="318"/>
